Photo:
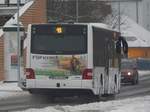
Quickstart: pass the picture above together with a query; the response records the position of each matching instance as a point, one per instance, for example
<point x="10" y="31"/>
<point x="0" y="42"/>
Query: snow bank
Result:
<point x="140" y="104"/>
<point x="9" y="87"/>
<point x="8" y="90"/>
<point x="143" y="72"/>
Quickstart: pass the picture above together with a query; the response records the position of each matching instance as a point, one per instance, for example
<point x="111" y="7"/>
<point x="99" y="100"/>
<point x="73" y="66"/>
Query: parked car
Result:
<point x="129" y="72"/>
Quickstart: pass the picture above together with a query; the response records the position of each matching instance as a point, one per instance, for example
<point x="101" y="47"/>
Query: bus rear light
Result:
<point x="30" y="73"/>
<point x="87" y="74"/>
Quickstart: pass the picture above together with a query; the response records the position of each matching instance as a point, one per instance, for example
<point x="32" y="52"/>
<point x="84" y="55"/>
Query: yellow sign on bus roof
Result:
<point x="59" y="29"/>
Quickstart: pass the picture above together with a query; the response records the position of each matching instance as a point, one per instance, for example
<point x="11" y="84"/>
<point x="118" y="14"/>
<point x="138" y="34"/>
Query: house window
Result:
<point x="7" y="2"/>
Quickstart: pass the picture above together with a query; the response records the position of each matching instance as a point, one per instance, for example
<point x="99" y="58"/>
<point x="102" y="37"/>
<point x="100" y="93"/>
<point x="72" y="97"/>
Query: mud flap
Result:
<point x="114" y="81"/>
<point x="99" y="80"/>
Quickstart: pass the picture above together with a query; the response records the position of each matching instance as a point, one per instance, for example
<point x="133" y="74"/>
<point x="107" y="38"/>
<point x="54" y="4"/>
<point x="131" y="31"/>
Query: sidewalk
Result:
<point x="144" y="72"/>
<point x="1" y="82"/>
<point x="10" y="90"/>
<point x="10" y="86"/>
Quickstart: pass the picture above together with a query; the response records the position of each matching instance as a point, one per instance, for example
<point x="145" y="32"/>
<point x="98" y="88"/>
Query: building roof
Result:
<point x="135" y="34"/>
<point x="13" y="20"/>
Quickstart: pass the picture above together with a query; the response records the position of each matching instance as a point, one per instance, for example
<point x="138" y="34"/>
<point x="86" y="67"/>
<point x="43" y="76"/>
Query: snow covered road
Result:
<point x="131" y="98"/>
<point x="140" y="104"/>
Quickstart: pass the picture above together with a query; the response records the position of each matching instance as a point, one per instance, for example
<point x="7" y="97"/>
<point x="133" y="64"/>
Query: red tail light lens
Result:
<point x="30" y="73"/>
<point x="87" y="74"/>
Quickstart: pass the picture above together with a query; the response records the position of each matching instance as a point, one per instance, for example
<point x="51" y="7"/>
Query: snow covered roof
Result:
<point x="135" y="34"/>
<point x="13" y="20"/>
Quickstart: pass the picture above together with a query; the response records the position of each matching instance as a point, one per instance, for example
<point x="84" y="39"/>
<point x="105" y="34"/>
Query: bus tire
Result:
<point x="107" y="97"/>
<point x="31" y="91"/>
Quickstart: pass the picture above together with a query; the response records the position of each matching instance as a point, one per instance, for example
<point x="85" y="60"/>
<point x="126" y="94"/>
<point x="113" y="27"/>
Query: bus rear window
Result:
<point x="59" y="39"/>
<point x="59" y="44"/>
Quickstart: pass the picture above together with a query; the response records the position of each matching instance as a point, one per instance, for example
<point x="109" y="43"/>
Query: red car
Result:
<point x="129" y="72"/>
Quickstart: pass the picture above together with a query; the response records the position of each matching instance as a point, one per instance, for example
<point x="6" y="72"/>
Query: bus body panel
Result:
<point x="58" y="66"/>
<point x="90" y="47"/>
<point x="99" y="73"/>
<point x="63" y="84"/>
<point x="113" y="79"/>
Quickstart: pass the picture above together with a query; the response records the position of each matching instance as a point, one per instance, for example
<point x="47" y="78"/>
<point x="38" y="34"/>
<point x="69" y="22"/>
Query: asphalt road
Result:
<point x="128" y="90"/>
<point x="24" y="100"/>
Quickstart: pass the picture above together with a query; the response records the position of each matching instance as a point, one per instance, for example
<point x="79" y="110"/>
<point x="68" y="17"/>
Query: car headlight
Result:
<point x="129" y="73"/>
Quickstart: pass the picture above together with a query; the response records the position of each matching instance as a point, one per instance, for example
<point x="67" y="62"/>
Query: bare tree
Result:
<point x="89" y="10"/>
<point x="113" y="19"/>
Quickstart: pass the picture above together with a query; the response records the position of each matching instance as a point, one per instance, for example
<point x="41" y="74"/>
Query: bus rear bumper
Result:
<point x="61" y="92"/>
<point x="60" y="87"/>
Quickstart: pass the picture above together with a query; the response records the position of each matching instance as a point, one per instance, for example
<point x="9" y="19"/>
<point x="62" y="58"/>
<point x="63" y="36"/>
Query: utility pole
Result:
<point x="18" y="38"/>
<point x="137" y="12"/>
<point x="119" y="18"/>
<point x="77" y="10"/>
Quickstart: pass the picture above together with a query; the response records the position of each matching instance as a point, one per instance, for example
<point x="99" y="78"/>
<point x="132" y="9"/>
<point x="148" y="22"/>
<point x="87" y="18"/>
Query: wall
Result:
<point x="145" y="14"/>
<point x="1" y="58"/>
<point x="139" y="52"/>
<point x="35" y="14"/>
<point x="129" y="9"/>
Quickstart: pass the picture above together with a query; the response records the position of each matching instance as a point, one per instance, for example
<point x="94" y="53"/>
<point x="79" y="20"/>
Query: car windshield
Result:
<point x="125" y="65"/>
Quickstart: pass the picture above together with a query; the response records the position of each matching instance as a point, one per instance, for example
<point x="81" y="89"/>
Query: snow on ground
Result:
<point x="8" y="90"/>
<point x="139" y="104"/>
<point x="9" y="87"/>
<point x="144" y="72"/>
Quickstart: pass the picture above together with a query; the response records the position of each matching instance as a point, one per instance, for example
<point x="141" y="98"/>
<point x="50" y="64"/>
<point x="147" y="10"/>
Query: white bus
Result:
<point x="66" y="59"/>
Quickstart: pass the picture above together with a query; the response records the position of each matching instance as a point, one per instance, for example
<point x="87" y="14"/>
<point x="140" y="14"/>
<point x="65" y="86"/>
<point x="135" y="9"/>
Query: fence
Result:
<point x="8" y="3"/>
<point x="143" y="64"/>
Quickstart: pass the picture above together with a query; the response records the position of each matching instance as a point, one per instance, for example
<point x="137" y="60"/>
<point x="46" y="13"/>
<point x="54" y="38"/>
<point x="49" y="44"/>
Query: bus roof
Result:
<point x="97" y="25"/>
<point x="103" y="26"/>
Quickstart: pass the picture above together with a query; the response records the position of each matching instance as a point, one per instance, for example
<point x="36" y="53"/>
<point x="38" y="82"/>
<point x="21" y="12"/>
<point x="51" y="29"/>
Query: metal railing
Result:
<point x="10" y="3"/>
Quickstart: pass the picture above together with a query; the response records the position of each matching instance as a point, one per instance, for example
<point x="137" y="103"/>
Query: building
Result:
<point x="35" y="11"/>
<point x="138" y="10"/>
<point x="31" y="12"/>
<point x="7" y="9"/>
<point x="138" y="39"/>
